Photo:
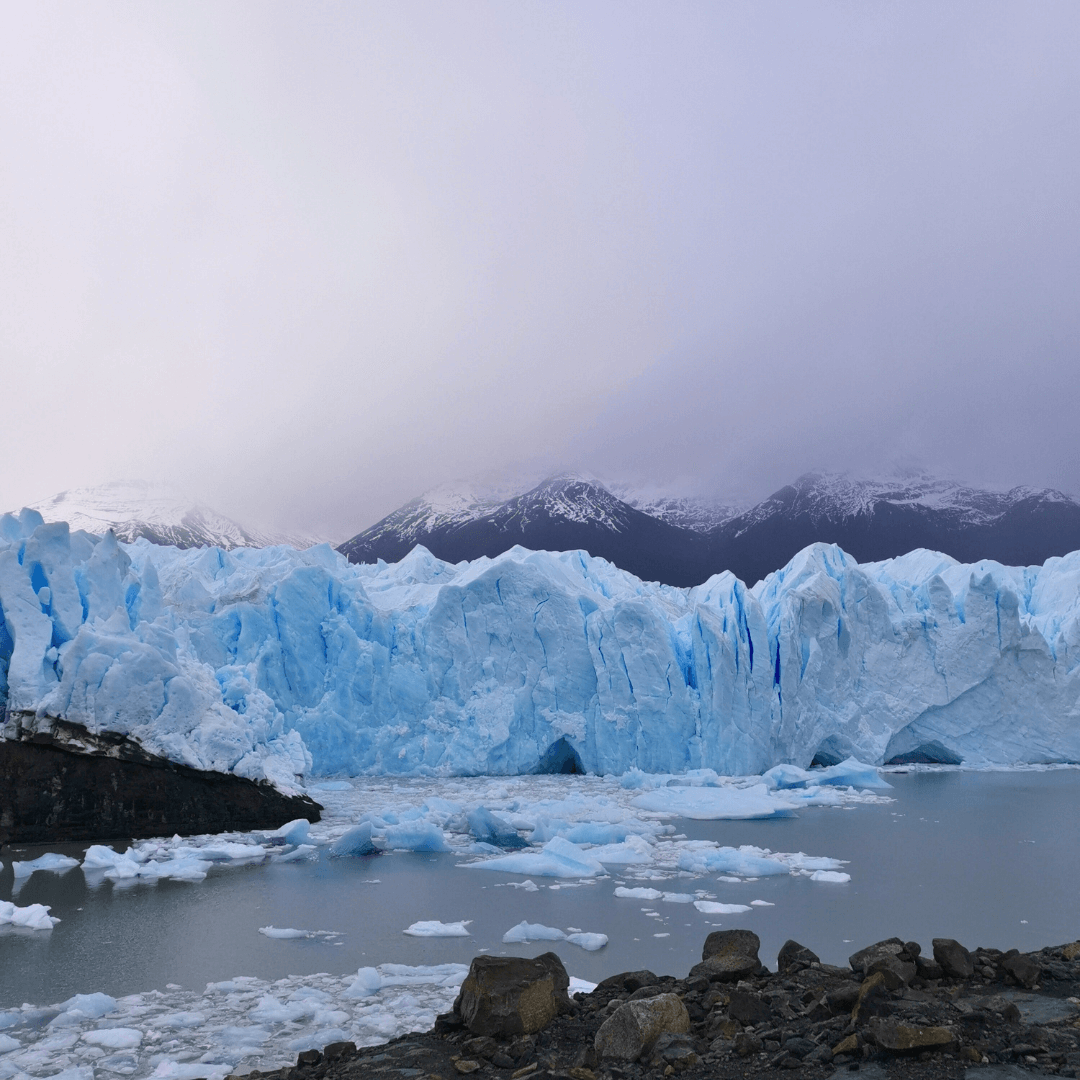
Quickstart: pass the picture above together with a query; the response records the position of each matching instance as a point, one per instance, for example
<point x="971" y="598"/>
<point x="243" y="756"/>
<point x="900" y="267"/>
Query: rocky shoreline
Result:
<point x="893" y="1012"/>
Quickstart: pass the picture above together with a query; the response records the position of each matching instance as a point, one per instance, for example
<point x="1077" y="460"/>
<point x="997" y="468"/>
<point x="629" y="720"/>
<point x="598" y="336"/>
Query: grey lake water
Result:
<point x="988" y="858"/>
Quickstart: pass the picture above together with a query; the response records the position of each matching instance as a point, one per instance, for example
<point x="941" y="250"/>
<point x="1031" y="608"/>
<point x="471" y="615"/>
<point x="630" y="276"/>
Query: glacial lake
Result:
<point x="990" y="858"/>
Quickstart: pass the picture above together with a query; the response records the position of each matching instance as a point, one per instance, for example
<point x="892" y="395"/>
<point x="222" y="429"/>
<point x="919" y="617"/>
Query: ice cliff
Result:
<point x="275" y="662"/>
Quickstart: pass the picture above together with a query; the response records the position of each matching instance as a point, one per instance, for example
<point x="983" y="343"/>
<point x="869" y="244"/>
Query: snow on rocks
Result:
<point x="275" y="663"/>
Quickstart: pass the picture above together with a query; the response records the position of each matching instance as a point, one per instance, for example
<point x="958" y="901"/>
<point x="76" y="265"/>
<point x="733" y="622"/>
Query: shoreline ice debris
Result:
<point x="274" y="663"/>
<point x="230" y="1027"/>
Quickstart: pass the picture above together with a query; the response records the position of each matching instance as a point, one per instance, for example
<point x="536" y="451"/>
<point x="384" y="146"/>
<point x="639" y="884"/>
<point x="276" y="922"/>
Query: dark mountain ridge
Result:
<point x="870" y="519"/>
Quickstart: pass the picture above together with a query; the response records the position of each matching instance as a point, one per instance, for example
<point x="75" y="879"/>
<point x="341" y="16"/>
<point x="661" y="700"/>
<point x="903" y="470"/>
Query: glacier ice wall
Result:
<point x="275" y="662"/>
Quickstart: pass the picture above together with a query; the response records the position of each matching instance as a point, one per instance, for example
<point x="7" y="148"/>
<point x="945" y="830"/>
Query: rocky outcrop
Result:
<point x="68" y="784"/>
<point x="813" y="1021"/>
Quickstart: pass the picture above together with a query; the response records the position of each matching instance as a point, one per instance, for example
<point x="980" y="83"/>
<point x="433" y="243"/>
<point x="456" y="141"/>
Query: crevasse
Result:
<point x="274" y="662"/>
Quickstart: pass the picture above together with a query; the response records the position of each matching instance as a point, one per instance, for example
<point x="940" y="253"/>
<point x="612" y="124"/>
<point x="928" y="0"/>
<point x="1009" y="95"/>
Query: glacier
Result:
<point x="280" y="664"/>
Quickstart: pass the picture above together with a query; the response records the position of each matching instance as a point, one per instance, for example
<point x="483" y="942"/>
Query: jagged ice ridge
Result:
<point x="275" y="662"/>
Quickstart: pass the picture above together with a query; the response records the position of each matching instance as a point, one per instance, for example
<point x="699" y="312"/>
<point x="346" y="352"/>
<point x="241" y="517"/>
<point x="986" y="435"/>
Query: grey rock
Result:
<point x="799" y="1046"/>
<point x="746" y="1044"/>
<point x="635" y="1026"/>
<point x="726" y="968"/>
<point x="842" y="999"/>
<point x="897" y="972"/>
<point x="629" y="981"/>
<point x="954" y="959"/>
<point x="793" y="956"/>
<point x="927" y="968"/>
<point x="339" y="1051"/>
<point x="674" y="1049"/>
<point x="748" y="1009"/>
<point x="512" y="995"/>
<point x="1022" y="968"/>
<point x="888" y="947"/>
<point x="731" y="943"/>
<point x="896" y="1038"/>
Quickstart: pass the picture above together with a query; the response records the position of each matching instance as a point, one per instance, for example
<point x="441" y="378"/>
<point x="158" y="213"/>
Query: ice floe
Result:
<point x="526" y="932"/>
<point x="33" y="916"/>
<point x="434" y="928"/>
<point x="48" y="861"/>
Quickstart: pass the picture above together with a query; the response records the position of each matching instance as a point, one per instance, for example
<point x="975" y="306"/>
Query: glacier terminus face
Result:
<point x="275" y="663"/>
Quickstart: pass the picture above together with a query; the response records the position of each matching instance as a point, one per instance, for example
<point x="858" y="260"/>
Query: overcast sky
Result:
<point x="307" y="260"/>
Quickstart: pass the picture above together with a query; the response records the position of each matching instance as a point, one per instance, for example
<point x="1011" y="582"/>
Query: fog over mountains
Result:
<point x="682" y="541"/>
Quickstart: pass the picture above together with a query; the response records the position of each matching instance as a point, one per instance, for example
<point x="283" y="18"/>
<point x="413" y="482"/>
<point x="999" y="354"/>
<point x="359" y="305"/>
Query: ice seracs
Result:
<point x="277" y="663"/>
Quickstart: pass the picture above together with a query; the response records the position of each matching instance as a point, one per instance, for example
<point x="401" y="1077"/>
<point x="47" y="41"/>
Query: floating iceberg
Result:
<point x="434" y="928"/>
<point x="557" y="858"/>
<point x="33" y="916"/>
<point x="49" y="861"/>
<point x="275" y="663"/>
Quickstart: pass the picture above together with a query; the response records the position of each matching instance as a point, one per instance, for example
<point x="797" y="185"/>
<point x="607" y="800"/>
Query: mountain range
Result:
<point x="684" y="541"/>
<point x="675" y="540"/>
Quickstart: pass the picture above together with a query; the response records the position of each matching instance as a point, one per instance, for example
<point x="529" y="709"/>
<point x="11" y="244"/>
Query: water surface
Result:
<point x="987" y="858"/>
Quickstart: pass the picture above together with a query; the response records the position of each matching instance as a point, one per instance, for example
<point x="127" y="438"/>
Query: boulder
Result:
<point x="927" y="968"/>
<point x="1004" y="1008"/>
<point x="634" y="1027"/>
<point x="847" y="1045"/>
<point x="729" y="955"/>
<point x="726" y="968"/>
<point x="955" y="960"/>
<point x="889" y="947"/>
<point x="747" y="1044"/>
<point x="512" y="995"/>
<point x="673" y="1049"/>
<point x="731" y="943"/>
<point x="798" y="1046"/>
<point x="842" y="999"/>
<point x="1022" y="968"/>
<point x="873" y="997"/>
<point x="629" y="981"/>
<point x="748" y="1009"/>
<point x="339" y="1051"/>
<point x="898" y="973"/>
<point x="1071" y="951"/>
<point x="896" y="1038"/>
<point x="793" y="957"/>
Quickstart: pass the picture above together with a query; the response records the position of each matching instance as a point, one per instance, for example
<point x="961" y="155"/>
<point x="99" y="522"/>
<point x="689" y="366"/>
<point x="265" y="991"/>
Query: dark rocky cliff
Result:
<point x="71" y="785"/>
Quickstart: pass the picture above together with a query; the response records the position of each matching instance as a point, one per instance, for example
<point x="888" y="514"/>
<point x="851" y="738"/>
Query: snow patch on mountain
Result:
<point x="158" y="512"/>
<point x="827" y="495"/>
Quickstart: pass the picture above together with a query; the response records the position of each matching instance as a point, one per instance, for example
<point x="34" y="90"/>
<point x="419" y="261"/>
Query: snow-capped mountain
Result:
<point x="881" y="518"/>
<point x="158" y="512"/>
<point x="682" y="541"/>
<point x="691" y="512"/>
<point x="562" y="513"/>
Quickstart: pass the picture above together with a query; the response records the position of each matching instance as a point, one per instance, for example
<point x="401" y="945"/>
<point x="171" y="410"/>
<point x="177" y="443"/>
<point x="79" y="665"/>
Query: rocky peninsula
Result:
<point x="892" y="1012"/>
